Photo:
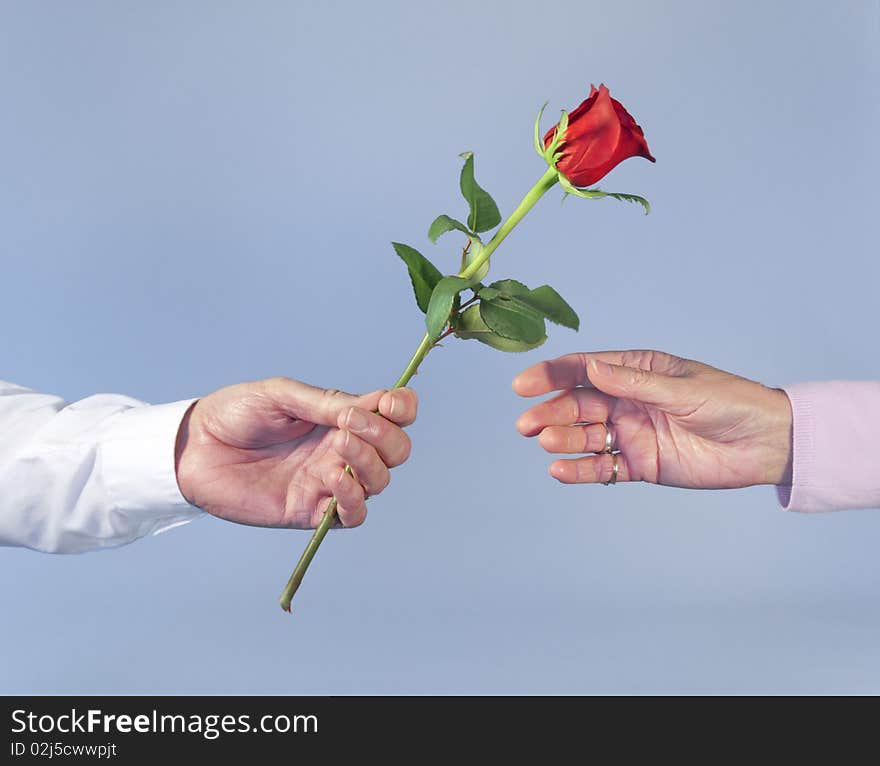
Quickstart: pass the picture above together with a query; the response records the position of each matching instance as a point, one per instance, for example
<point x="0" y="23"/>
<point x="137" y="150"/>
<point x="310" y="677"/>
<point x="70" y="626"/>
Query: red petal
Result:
<point x="592" y="139"/>
<point x="630" y="126"/>
<point x="578" y="111"/>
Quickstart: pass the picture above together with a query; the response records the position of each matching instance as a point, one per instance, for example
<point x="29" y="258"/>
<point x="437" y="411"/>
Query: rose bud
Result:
<point x="600" y="135"/>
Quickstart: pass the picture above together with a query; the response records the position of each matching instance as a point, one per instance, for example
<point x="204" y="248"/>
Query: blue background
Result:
<point x="195" y="194"/>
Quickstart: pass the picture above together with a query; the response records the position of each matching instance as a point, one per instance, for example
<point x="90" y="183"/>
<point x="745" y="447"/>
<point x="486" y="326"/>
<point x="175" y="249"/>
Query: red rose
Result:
<point x="601" y="134"/>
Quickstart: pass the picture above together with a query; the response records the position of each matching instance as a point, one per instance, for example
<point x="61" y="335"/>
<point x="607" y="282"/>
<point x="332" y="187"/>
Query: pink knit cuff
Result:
<point x="836" y="447"/>
<point x="803" y="452"/>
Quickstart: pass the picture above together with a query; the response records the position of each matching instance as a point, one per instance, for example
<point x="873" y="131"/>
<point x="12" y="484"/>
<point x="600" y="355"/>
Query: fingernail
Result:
<point x="356" y="421"/>
<point x="395" y="406"/>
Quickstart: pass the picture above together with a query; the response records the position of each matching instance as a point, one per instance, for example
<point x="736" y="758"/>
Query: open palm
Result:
<point x="674" y="421"/>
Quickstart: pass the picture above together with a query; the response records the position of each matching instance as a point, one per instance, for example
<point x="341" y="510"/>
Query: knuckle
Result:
<point x="379" y="426"/>
<point x="655" y="359"/>
<point x="331" y="476"/>
<point x="584" y="471"/>
<point x="637" y="377"/>
<point x="273" y="384"/>
<point x="645" y="358"/>
<point x="351" y="446"/>
<point x="404" y="449"/>
<point x="634" y="357"/>
<point x="593" y="438"/>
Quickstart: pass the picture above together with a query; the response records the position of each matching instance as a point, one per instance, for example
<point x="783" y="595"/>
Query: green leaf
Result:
<point x="511" y="309"/>
<point x="510" y="287"/>
<point x="551" y="304"/>
<point x="472" y="327"/>
<point x="443" y="223"/>
<point x="506" y="287"/>
<point x="440" y="305"/>
<point x="513" y="319"/>
<point x="598" y="194"/>
<point x="484" y="213"/>
<point x="423" y="274"/>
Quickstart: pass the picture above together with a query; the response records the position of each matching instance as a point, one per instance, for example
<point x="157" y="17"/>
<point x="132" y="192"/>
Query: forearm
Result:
<point x="88" y="475"/>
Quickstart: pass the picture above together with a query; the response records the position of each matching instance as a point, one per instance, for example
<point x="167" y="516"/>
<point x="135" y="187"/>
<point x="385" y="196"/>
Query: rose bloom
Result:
<point x="601" y="134"/>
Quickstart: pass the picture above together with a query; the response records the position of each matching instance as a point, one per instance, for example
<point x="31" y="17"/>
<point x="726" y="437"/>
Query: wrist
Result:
<point x="779" y="438"/>
<point x="180" y="447"/>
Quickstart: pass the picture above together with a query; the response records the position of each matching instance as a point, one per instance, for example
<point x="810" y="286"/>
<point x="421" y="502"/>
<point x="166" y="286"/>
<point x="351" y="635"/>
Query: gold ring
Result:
<point x="608" y="440"/>
<point x="614" y="469"/>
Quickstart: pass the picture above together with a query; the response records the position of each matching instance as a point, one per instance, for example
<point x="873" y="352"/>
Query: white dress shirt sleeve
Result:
<point x="92" y="474"/>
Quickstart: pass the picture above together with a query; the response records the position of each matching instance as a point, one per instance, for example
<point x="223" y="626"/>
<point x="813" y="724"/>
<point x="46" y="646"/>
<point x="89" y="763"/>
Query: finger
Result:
<point x="390" y="441"/>
<point x="582" y="405"/>
<point x="368" y="467"/>
<point x="349" y="495"/>
<point x="590" y="470"/>
<point x="351" y="517"/>
<point x="574" y="439"/>
<point x="354" y="518"/>
<point x="570" y="371"/>
<point x="313" y="404"/>
<point x="399" y="406"/>
<point x="642" y="385"/>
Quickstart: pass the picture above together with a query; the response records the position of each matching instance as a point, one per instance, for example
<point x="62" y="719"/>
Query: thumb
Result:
<point x="635" y="383"/>
<point x="316" y="405"/>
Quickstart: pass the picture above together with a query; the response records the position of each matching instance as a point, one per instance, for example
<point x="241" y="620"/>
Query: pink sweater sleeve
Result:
<point x="836" y="459"/>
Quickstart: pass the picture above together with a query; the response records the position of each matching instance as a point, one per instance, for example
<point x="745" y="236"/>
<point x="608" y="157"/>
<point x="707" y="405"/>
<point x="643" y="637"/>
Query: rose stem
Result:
<point x="329" y="519"/>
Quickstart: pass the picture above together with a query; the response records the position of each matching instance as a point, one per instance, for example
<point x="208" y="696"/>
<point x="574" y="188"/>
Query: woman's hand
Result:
<point x="674" y="421"/>
<point x="273" y="452"/>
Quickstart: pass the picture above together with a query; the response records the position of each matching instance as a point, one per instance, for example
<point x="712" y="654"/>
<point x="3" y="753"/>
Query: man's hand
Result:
<point x="272" y="453"/>
<point x="675" y="421"/>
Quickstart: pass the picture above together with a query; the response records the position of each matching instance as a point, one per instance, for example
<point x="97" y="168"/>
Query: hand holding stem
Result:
<point x="547" y="180"/>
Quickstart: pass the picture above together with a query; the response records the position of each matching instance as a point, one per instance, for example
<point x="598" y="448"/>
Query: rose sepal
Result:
<point x="551" y="154"/>
<point x="598" y="193"/>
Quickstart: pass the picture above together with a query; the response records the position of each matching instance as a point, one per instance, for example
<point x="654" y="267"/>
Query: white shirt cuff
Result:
<point x="137" y="467"/>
